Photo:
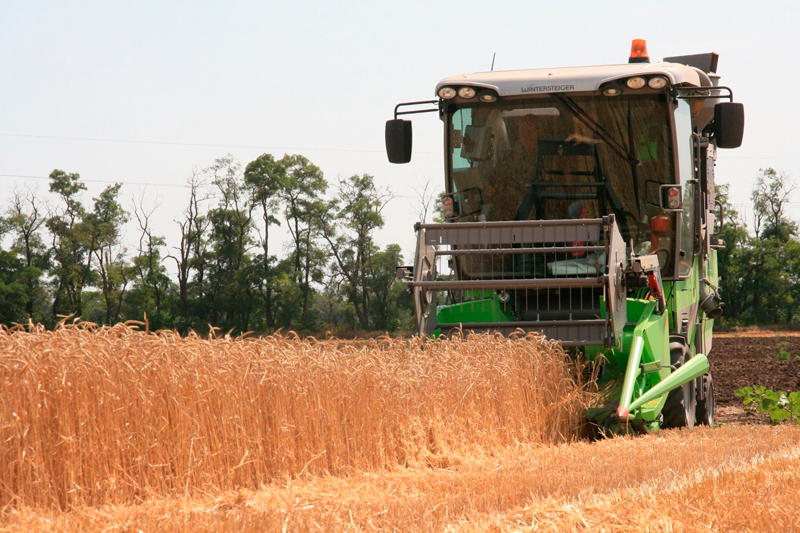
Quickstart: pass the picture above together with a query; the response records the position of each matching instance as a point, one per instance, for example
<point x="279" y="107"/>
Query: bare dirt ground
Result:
<point x="750" y="358"/>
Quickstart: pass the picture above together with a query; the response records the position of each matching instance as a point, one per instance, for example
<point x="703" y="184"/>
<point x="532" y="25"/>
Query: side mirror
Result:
<point x="476" y="143"/>
<point x="729" y="124"/>
<point x="398" y="140"/>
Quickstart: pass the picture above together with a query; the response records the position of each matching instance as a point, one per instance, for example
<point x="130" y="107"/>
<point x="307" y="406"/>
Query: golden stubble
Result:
<point x="724" y="479"/>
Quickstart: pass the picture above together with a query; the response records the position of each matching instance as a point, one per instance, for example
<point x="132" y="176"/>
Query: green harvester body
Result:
<point x="579" y="203"/>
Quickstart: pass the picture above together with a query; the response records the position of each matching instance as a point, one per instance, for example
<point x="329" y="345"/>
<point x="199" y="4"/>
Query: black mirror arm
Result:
<point x="691" y="93"/>
<point x="397" y="112"/>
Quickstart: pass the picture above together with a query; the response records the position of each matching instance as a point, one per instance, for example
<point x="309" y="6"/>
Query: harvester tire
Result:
<point x="704" y="412"/>
<point x="679" y="409"/>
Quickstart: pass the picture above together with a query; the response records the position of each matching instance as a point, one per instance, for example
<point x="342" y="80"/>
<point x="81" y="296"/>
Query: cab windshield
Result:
<point x="559" y="157"/>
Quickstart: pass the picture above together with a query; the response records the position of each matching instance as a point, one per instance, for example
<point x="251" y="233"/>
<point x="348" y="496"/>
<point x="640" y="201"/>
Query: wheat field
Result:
<point x="116" y="429"/>
<point x="96" y="416"/>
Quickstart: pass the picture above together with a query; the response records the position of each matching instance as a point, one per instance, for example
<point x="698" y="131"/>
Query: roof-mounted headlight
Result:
<point x="657" y="82"/>
<point x="636" y="83"/>
<point x="466" y="92"/>
<point x="487" y="96"/>
<point x="447" y="93"/>
<point x="612" y="90"/>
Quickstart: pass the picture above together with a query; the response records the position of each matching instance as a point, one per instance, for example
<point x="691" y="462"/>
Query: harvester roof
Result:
<point x="570" y="79"/>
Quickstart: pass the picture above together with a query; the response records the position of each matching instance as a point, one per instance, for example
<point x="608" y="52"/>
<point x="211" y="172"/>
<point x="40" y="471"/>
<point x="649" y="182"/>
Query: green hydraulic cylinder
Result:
<point x="691" y="369"/>
<point x="632" y="372"/>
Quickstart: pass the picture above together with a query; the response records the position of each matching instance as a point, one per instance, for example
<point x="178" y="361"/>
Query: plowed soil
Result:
<point x="742" y="359"/>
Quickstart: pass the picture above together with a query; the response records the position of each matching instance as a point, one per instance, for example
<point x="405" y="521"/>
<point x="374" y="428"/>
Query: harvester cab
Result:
<point x="579" y="202"/>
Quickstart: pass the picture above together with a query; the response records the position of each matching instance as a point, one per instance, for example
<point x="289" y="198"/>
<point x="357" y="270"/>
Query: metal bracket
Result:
<point x="437" y="103"/>
<point x="689" y="93"/>
<point x="649" y="266"/>
<point x="655" y="366"/>
<point x="405" y="273"/>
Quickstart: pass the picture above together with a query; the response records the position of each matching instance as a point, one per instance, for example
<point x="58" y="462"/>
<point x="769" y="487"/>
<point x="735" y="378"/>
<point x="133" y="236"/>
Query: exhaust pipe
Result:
<point x="710" y="301"/>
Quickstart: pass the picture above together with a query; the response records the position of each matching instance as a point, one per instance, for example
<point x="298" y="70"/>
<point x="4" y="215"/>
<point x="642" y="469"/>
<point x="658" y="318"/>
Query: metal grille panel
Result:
<point x="553" y="276"/>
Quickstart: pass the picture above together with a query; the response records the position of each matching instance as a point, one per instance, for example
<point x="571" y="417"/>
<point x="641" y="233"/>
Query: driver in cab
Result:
<point x="505" y="189"/>
<point x="521" y="159"/>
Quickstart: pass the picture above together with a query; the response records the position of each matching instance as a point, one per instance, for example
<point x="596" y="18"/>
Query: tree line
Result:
<point x="760" y="263"/>
<point x="64" y="258"/>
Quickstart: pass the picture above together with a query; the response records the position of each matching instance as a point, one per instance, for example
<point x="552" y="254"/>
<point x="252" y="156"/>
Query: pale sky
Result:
<point x="141" y="92"/>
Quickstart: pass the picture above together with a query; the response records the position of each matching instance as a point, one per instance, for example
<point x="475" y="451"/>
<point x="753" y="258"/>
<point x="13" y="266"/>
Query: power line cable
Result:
<point x="206" y="145"/>
<point x="96" y="181"/>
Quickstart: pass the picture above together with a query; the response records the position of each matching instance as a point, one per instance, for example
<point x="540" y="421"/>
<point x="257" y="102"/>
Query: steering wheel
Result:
<point x="666" y="251"/>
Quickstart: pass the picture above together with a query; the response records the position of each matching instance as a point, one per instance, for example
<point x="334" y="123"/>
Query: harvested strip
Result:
<point x="732" y="478"/>
<point x="758" y="496"/>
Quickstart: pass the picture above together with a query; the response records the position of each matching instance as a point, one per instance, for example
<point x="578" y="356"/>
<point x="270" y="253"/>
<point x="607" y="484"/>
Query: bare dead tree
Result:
<point x="425" y="197"/>
<point x="771" y="195"/>
<point x="190" y="247"/>
<point x="147" y="266"/>
<point x="27" y="215"/>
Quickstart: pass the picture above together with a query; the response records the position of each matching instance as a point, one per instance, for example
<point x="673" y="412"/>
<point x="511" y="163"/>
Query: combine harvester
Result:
<point x="580" y="203"/>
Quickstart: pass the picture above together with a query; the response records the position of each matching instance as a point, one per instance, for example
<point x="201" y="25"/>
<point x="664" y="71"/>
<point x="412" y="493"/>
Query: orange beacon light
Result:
<point x="639" y="52"/>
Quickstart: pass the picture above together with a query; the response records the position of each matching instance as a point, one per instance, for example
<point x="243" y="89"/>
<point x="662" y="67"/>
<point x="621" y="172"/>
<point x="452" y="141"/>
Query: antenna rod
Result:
<point x="493" y="56"/>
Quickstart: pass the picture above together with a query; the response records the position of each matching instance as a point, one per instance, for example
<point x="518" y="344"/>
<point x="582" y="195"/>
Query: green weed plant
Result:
<point x="773" y="407"/>
<point x="783" y="353"/>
